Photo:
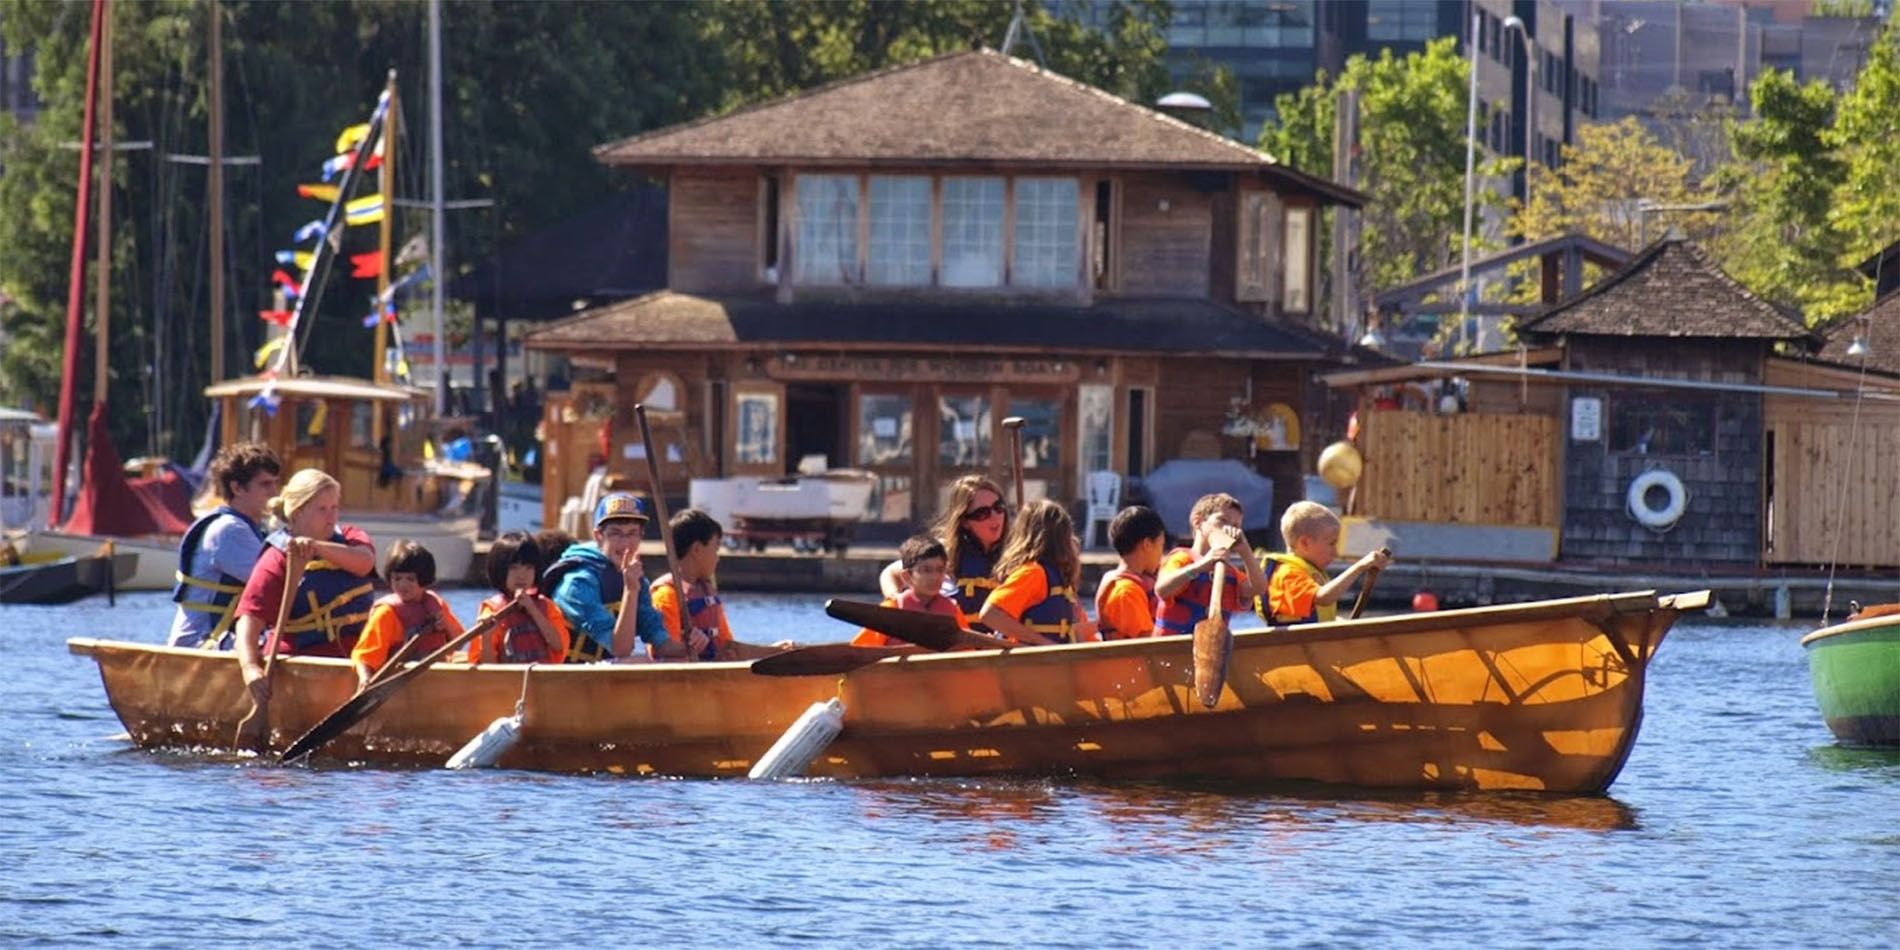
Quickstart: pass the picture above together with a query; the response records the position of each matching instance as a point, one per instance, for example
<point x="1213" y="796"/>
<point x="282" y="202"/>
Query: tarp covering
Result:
<point x="1178" y="483"/>
<point x="111" y="504"/>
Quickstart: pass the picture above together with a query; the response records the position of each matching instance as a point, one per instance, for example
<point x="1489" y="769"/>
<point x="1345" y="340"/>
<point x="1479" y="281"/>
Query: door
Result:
<point x="814" y="424"/>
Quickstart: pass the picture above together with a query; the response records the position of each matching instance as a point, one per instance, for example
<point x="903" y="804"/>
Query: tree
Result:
<point x="1867" y="132"/>
<point x="1602" y="182"/>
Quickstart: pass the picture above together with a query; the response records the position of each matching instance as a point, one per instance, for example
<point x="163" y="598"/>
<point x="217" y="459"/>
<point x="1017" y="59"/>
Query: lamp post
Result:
<point x="1530" y="98"/>
<point x="1471" y="148"/>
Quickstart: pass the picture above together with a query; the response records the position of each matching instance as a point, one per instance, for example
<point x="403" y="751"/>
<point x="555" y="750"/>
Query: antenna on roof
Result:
<point x="1019" y="26"/>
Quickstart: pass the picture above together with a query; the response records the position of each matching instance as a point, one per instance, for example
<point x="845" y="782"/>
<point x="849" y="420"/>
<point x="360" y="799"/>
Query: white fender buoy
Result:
<point x="486" y="749"/>
<point x="1676" y="503"/>
<point x="795" y="751"/>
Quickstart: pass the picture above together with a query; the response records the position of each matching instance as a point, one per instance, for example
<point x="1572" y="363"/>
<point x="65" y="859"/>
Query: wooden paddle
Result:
<point x="825" y="659"/>
<point x="257" y="738"/>
<point x="378" y="692"/>
<point x="1365" y="589"/>
<point x="659" y="510"/>
<point x="1014" y="426"/>
<point x="1213" y="643"/>
<point x="930" y="631"/>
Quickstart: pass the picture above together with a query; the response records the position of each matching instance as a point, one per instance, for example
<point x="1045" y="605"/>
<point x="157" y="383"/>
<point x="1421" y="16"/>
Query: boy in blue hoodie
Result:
<point x="591" y="583"/>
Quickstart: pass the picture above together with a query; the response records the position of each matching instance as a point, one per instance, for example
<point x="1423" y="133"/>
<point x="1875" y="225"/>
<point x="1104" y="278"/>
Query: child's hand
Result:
<point x="1224" y="538"/>
<point x="697" y="641"/>
<point x="1377" y="559"/>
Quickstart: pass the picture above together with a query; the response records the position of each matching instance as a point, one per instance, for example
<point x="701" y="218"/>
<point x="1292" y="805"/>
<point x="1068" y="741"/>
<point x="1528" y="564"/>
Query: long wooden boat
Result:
<point x="1855" y="668"/>
<point x="62" y="580"/>
<point x="1545" y="695"/>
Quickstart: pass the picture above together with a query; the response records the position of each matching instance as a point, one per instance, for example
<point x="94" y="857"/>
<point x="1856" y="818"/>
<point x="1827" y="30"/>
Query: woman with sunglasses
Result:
<point x="972" y="526"/>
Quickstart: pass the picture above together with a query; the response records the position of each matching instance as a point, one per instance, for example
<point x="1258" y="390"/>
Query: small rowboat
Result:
<point x="1855" y="667"/>
<point x="1545" y="695"/>
<point x="62" y="580"/>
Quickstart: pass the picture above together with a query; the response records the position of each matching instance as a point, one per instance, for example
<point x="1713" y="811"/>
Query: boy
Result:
<point x="1186" y="580"/>
<point x="592" y="580"/>
<point x="1298" y="590"/>
<point x="411" y="609"/>
<point x="925" y="564"/>
<point x="1125" y="601"/>
<point x="695" y="537"/>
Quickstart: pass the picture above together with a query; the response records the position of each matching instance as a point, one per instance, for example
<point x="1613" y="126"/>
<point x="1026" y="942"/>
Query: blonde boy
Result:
<point x="1298" y="589"/>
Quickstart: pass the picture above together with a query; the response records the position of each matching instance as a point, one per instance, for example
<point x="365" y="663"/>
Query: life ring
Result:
<point x="1657" y="519"/>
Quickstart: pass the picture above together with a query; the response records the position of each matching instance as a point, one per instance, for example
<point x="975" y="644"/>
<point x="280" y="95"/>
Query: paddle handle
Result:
<point x="1014" y="426"/>
<point x="1365" y="591"/>
<point x="293" y="576"/>
<point x="659" y="509"/>
<point x="1215" y="607"/>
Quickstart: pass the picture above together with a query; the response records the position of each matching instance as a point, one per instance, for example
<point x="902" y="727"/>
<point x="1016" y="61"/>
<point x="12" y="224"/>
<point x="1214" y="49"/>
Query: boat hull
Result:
<point x="66" y="579"/>
<point x="1855" y="669"/>
<point x="153" y="570"/>
<point x="1544" y="696"/>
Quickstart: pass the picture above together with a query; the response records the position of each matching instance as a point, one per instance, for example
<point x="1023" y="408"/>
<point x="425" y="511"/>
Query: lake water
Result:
<point x="1737" y="822"/>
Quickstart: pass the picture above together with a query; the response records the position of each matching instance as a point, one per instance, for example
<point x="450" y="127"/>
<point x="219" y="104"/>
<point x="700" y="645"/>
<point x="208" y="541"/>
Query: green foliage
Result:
<point x="1867" y="131"/>
<point x="1604" y="179"/>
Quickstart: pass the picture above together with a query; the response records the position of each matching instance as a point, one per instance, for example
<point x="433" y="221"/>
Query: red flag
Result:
<point x="289" y="283"/>
<point x="279" y="317"/>
<point x="366" y="265"/>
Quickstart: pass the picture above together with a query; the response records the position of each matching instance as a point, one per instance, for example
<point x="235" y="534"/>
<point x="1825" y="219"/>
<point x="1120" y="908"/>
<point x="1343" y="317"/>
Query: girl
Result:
<point x="537" y="633"/>
<point x="411" y="609"/>
<point x="1040" y="567"/>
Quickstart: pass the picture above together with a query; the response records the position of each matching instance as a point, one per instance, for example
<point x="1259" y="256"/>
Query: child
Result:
<point x="695" y="537"/>
<point x="1186" y="582"/>
<point x="1039" y="569"/>
<point x="537" y="633"/>
<point x="411" y="609"/>
<point x="925" y="563"/>
<point x="1298" y="590"/>
<point x="1125" y="601"/>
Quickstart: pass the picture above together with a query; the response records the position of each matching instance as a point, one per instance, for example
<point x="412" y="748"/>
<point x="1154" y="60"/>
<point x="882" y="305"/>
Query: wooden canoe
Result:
<point x="1855" y="669"/>
<point x="1545" y="695"/>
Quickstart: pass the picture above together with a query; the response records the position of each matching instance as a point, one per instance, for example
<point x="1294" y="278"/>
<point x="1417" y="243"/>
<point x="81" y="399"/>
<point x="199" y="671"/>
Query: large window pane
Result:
<point x="1095" y="405"/>
<point x="899" y="251"/>
<point x="972" y="232"/>
<point x="757" y="439"/>
<point x="827" y="249"/>
<point x="963" y="425"/>
<point x="1299" y="260"/>
<point x="884" y="429"/>
<point x="1045" y="249"/>
<point x="1042" y="430"/>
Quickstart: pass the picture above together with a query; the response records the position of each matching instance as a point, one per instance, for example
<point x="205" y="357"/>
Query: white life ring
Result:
<point x="1658" y="519"/>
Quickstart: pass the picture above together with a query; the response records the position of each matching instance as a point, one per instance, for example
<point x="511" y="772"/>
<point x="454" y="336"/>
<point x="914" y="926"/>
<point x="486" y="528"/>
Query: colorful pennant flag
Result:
<point x="265" y="352"/>
<point x="333" y="166"/>
<point x="318" y="418"/>
<point x="301" y="260"/>
<point x="314" y="229"/>
<point x="351" y="138"/>
<point x="387" y="312"/>
<point x="368" y="264"/>
<point x="291" y="287"/>
<point x="365" y="210"/>
<point x="279" y="317"/>
<point x="323" y="193"/>
<point x="266" y="400"/>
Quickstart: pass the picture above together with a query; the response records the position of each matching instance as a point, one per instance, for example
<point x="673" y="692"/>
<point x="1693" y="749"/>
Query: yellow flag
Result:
<point x="317" y="419"/>
<point x="351" y="137"/>
<point x="265" y="352"/>
<point x="323" y="193"/>
<point x="365" y="210"/>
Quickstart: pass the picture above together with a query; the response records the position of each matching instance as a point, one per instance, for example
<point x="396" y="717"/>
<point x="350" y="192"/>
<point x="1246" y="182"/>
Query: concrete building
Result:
<point x="16" y="83"/>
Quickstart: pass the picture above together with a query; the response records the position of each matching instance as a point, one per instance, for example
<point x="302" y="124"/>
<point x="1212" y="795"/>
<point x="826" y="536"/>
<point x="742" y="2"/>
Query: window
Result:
<point x="1256" y="247"/>
<point x="1663" y="425"/>
<point x="899" y="251"/>
<point x="768" y="229"/>
<point x="1044" y="253"/>
<point x="756" y="438"/>
<point x="963" y="427"/>
<point x="1297" y="296"/>
<point x="1095" y="409"/>
<point x="972" y="232"/>
<point x="1401" y="20"/>
<point x="883" y="429"/>
<point x="1042" y="430"/>
<point x="827" y="251"/>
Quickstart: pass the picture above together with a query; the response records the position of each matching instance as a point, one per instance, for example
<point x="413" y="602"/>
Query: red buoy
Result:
<point x="1424" y="601"/>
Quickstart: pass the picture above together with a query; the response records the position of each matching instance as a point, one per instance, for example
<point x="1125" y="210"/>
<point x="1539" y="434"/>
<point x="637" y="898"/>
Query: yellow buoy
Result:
<point x="1340" y="464"/>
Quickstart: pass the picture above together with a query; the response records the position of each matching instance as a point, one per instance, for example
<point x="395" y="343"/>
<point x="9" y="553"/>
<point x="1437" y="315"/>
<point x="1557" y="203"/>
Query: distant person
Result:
<point x="333" y="597"/>
<point x="1040" y="567"/>
<point x="411" y="610"/>
<point x="595" y="583"/>
<point x="553" y="543"/>
<point x="1184" y="588"/>
<point x="1125" y="600"/>
<point x="536" y="633"/>
<point x="217" y="554"/>
<point x="1298" y="588"/>
<point x="971" y="526"/>
<point x="926" y="564"/>
<point x="690" y="604"/>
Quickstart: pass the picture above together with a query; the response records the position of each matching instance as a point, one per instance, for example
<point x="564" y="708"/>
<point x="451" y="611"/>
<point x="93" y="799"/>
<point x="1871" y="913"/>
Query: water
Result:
<point x="1737" y="822"/>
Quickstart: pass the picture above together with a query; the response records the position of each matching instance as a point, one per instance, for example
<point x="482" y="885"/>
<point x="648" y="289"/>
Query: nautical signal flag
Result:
<point x="279" y="317"/>
<point x="265" y="352"/>
<point x="298" y="259"/>
<point x="332" y="166"/>
<point x="314" y="229"/>
<point x="365" y="210"/>
<point x="324" y="193"/>
<point x="386" y="312"/>
<point x="351" y="137"/>
<point x="267" y="401"/>
<point x="367" y="264"/>
<point x="291" y="287"/>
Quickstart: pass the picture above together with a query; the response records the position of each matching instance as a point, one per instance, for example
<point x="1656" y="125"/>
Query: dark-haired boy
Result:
<point x="1125" y="601"/>
<point x="217" y="553"/>
<point x="695" y="536"/>
<point x="925" y="563"/>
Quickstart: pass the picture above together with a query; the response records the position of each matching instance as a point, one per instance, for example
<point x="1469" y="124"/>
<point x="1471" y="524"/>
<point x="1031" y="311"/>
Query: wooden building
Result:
<point x="880" y="270"/>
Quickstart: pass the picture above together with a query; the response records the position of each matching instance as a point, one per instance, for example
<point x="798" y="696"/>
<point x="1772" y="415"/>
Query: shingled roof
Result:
<point x="1879" y="326"/>
<point x="976" y="107"/>
<point x="1671" y="289"/>
<point x="669" y="319"/>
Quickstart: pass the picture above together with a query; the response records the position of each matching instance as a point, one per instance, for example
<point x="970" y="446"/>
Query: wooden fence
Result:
<point x="1835" y="498"/>
<point x="1469" y="468"/>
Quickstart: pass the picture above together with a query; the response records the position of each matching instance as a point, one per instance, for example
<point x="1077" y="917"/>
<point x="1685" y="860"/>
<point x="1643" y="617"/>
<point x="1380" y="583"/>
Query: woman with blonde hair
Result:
<point x="1040" y="567"/>
<point x="971" y="527"/>
<point x="333" y="597"/>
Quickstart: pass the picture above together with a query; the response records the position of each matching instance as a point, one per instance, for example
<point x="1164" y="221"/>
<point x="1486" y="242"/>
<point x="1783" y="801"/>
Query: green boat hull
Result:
<point x="1855" y="668"/>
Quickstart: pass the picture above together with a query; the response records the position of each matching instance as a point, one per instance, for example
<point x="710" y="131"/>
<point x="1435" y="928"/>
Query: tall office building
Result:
<point x="16" y="83"/>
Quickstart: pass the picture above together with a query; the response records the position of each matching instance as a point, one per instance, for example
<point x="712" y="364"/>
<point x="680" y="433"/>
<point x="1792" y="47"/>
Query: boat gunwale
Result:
<point x="1850" y="627"/>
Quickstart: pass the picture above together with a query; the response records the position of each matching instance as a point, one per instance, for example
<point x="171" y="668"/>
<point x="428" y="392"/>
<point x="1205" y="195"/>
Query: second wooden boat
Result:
<point x="1855" y="668"/>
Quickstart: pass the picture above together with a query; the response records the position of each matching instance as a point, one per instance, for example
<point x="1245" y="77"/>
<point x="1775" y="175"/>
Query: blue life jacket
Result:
<point x="1054" y="615"/>
<point x="973" y="578"/>
<point x="223" y="589"/>
<point x="581" y="645"/>
<point x="331" y="604"/>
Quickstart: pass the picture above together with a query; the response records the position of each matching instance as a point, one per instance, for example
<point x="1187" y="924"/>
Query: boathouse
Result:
<point x="876" y="272"/>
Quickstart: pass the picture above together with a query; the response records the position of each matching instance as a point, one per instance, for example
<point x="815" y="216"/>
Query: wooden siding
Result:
<point x="1167" y="252"/>
<point x="1468" y="468"/>
<point x="713" y="232"/>
<point x="1834" y="482"/>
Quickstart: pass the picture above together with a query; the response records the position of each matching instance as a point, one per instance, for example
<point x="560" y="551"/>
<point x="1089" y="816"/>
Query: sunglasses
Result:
<point x="983" y="513"/>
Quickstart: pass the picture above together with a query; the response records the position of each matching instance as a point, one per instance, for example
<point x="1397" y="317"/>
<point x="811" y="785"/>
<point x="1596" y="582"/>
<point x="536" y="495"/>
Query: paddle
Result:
<point x="367" y="699"/>
<point x="1365" y="590"/>
<point x="1014" y="425"/>
<point x="659" y="509"/>
<point x="257" y="738"/>
<point x="1213" y="643"/>
<point x="825" y="659"/>
<point x="930" y="631"/>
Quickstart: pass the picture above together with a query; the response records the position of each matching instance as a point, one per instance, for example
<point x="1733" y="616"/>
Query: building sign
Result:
<point x="923" y="369"/>
<point x="1586" y="419"/>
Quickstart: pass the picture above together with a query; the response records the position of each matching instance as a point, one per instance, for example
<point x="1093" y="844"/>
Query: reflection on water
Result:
<point x="1840" y="758"/>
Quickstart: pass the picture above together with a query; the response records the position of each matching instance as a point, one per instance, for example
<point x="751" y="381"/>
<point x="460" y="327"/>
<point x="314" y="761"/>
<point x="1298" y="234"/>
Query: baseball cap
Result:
<point x="619" y="505"/>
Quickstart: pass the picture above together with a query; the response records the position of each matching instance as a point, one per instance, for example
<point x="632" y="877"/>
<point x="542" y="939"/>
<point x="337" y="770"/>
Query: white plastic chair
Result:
<point x="1105" y="499"/>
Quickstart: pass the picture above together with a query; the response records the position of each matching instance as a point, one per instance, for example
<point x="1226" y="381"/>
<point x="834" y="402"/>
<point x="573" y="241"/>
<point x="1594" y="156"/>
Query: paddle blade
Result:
<point x="825" y="659"/>
<point x="930" y="631"/>
<point x="339" y="721"/>
<point x="1213" y="644"/>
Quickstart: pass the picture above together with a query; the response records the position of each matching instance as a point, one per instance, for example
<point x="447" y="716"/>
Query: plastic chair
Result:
<point x="1105" y="499"/>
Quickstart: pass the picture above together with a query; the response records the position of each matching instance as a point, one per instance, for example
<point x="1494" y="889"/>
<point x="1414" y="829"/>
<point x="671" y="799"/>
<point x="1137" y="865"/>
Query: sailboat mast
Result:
<point x="215" y="183"/>
<point x="102" y="293"/>
<point x="386" y="183"/>
<point x="76" y="283"/>
<point x="436" y="275"/>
